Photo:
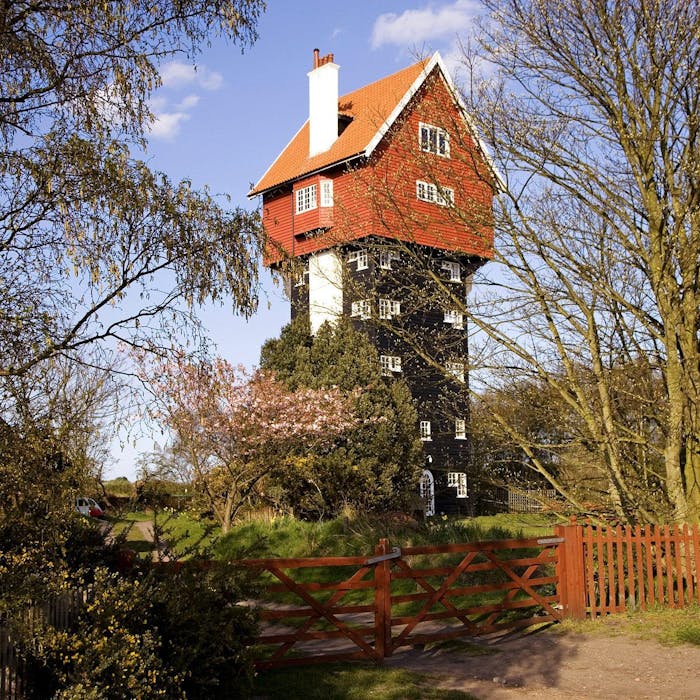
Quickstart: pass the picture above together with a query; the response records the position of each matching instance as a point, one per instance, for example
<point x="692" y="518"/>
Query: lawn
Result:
<point x="351" y="682"/>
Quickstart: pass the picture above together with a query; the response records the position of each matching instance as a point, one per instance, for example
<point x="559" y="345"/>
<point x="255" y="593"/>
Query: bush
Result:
<point x="162" y="632"/>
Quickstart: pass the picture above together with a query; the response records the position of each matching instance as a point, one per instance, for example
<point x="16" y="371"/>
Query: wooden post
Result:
<point x="382" y="602"/>
<point x="570" y="570"/>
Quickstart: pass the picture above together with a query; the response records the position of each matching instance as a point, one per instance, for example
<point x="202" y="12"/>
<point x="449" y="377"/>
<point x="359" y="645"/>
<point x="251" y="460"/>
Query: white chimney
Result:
<point x="323" y="104"/>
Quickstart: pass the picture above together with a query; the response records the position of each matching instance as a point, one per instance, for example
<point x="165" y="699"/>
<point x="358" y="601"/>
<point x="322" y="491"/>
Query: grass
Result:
<point x="351" y="682"/>
<point x="664" y="625"/>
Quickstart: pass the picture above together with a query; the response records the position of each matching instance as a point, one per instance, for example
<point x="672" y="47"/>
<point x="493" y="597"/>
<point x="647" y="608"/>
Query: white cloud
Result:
<point x="413" y="27"/>
<point x="166" y="125"/>
<point x="176" y="74"/>
<point x="170" y="108"/>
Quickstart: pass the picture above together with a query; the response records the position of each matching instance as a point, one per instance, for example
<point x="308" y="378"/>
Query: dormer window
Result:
<point x="433" y="139"/>
<point x="306" y="199"/>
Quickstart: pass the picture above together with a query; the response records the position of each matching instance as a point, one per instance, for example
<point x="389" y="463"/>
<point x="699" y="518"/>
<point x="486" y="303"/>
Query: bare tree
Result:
<point x="590" y="111"/>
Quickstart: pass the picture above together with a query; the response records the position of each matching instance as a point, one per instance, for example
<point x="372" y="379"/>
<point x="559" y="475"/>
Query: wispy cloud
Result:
<point x="431" y="23"/>
<point x="170" y="108"/>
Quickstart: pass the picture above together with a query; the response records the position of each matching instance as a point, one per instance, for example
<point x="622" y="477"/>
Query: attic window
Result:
<point x="433" y="139"/>
<point x="430" y="192"/>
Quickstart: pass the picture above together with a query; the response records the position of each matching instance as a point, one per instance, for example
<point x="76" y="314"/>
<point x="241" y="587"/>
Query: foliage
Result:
<point x="166" y="632"/>
<point x="376" y="467"/>
<point x="353" y="682"/>
<point x="85" y="227"/>
<point x="231" y="429"/>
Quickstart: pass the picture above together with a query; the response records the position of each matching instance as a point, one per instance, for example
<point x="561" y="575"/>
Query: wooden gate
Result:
<point x="324" y="609"/>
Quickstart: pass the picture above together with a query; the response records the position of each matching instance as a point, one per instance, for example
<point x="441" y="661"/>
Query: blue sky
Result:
<point x="222" y="123"/>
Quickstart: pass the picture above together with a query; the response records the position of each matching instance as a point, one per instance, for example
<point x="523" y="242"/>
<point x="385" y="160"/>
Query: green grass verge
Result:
<point x="664" y="625"/>
<point x="350" y="682"/>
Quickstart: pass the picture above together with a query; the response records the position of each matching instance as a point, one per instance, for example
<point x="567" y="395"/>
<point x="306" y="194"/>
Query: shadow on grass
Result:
<point x="350" y="682"/>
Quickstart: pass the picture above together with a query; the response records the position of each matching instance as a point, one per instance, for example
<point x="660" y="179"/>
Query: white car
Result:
<point x="88" y="506"/>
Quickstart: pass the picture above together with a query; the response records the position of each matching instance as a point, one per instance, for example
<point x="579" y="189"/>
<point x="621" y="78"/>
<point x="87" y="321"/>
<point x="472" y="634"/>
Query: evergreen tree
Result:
<point x="375" y="467"/>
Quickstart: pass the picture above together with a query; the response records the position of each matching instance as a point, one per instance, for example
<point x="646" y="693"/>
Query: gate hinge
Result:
<point x="394" y="554"/>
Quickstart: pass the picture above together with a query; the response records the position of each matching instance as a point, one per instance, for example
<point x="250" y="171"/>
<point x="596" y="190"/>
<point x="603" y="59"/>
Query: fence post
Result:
<point x="382" y="602"/>
<point x="570" y="570"/>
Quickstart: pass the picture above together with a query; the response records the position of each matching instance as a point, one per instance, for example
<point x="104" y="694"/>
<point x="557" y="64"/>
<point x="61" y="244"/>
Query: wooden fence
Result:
<point x="330" y="608"/>
<point x="611" y="570"/>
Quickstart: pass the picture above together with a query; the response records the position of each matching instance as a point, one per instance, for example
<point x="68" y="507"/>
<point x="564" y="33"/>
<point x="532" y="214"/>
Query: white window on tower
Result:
<point x="361" y="309"/>
<point x="306" y="199"/>
<point x="425" y="430"/>
<point x="433" y="139"/>
<point x="360" y="257"/>
<point x="386" y="257"/>
<point x="388" y="308"/>
<point x="460" y="429"/>
<point x="458" y="480"/>
<point x="456" y="369"/>
<point x="453" y="269"/>
<point x="390" y="364"/>
<point x="454" y="318"/>
<point x="326" y="193"/>
<point x="302" y="277"/>
<point x="430" y="192"/>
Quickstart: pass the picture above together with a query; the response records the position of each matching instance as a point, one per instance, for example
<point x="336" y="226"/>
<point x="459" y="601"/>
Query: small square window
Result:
<point x="425" y="430"/>
<point x="390" y="364"/>
<point x="454" y="318"/>
<point x="361" y="309"/>
<point x="458" y="480"/>
<point x="388" y="308"/>
<point x="456" y="369"/>
<point x="453" y="269"/>
<point x="360" y="257"/>
<point x="386" y="257"/>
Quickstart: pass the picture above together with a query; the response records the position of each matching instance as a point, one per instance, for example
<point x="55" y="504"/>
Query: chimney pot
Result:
<point x="316" y="60"/>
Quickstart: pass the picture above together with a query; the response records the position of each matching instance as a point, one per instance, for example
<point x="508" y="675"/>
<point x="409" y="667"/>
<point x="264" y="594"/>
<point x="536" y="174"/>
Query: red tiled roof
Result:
<point x="370" y="107"/>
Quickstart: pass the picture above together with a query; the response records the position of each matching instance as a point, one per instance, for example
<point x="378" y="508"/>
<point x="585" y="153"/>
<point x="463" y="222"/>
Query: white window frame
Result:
<point x="386" y="257"/>
<point x="390" y="364"/>
<point x="302" y="279"/>
<point x="430" y="192"/>
<point x="458" y="480"/>
<point x="425" y="431"/>
<point x="456" y="369"/>
<point x="389" y="308"/>
<point x="460" y="429"/>
<point x="361" y="257"/>
<point x="433" y="139"/>
<point x="362" y="309"/>
<point x="454" y="318"/>
<point x="307" y="198"/>
<point x="326" y="193"/>
<point x="454" y="269"/>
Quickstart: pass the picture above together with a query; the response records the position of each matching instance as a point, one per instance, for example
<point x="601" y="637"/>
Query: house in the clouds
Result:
<point x="382" y="204"/>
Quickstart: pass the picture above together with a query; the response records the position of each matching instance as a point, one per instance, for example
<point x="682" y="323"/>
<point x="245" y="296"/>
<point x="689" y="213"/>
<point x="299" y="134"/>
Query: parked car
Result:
<point x="88" y="506"/>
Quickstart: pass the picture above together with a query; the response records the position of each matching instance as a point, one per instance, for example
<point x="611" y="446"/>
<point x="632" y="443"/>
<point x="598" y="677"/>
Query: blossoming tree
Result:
<point x="232" y="427"/>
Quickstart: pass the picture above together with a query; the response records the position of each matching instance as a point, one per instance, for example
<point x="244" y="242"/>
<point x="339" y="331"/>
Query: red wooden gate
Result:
<point x="331" y="608"/>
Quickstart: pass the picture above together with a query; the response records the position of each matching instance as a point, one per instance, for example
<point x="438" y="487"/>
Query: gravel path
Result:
<point x="571" y="666"/>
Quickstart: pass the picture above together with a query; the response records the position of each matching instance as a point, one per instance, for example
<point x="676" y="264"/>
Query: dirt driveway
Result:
<point x="558" y="666"/>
